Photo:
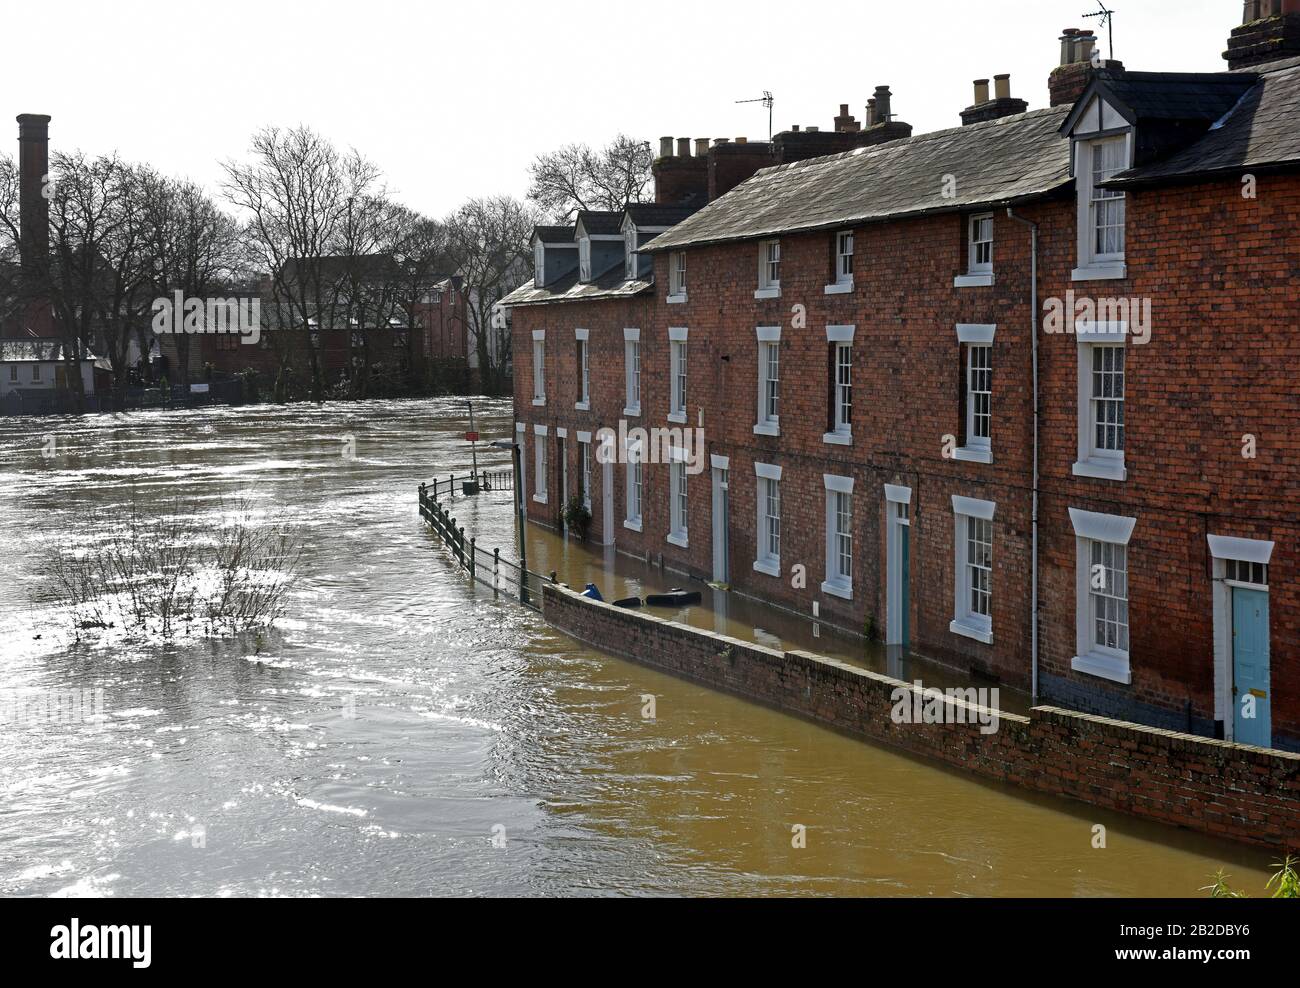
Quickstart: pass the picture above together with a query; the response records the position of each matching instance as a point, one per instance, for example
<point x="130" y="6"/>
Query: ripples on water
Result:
<point x="397" y="720"/>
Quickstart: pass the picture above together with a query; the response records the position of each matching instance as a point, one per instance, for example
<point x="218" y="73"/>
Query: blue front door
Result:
<point x="1252" y="719"/>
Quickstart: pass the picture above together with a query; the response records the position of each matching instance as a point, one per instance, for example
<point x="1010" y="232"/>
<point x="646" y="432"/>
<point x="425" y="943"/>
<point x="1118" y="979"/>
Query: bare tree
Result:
<point x="194" y="247"/>
<point x="297" y="193"/>
<point x="577" y="177"/>
<point x="489" y="240"/>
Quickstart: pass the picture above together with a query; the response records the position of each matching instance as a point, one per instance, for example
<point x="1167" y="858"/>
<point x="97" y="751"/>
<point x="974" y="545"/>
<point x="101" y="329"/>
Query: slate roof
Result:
<point x="612" y="284"/>
<point x="598" y="223"/>
<point x="554" y="234"/>
<point x="1191" y="96"/>
<point x="1000" y="161"/>
<point x="1259" y="131"/>
<point x="652" y="214"/>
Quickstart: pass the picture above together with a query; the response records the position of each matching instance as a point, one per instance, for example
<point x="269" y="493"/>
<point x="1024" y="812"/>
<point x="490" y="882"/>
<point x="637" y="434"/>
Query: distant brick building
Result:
<point x="901" y="426"/>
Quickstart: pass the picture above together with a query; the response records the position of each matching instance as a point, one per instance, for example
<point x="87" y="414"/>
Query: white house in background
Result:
<point x="37" y="367"/>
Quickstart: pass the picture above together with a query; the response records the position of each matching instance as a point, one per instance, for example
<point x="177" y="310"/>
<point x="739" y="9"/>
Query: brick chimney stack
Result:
<point x="1000" y="105"/>
<point x="846" y="123"/>
<point x="1069" y="79"/>
<point x="680" y="178"/>
<point x="34" y="217"/>
<point x="33" y="167"/>
<point x="1270" y="29"/>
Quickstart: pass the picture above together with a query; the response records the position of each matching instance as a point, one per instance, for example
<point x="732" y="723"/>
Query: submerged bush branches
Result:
<point x="182" y="569"/>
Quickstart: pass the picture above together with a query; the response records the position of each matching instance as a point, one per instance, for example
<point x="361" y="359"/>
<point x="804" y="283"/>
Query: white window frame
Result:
<point x="966" y="620"/>
<point x="844" y="263"/>
<point x="769" y="388"/>
<point x="634" y="496"/>
<point x="769" y="258"/>
<point x="539" y="367"/>
<point x="970" y="335"/>
<point x="838" y="582"/>
<point x="584" y="260"/>
<point x="841" y="338"/>
<point x="678" y="500"/>
<point x="1093" y="265"/>
<point x="766" y="561"/>
<point x="540" y="494"/>
<point x="974" y="243"/>
<point x="677" y="277"/>
<point x="1092" y="658"/>
<point x="583" y="339"/>
<point x="1101" y="464"/>
<point x="539" y="265"/>
<point x="584" y="467"/>
<point x="678" y="369"/>
<point x="630" y="264"/>
<point x="632" y="372"/>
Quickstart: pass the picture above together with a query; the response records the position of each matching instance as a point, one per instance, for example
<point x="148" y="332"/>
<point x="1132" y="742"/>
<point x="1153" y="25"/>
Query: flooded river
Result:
<point x="402" y="733"/>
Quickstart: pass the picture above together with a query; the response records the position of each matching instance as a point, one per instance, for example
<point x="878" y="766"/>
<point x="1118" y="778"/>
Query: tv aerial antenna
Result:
<point x="1105" y="18"/>
<point x="767" y="99"/>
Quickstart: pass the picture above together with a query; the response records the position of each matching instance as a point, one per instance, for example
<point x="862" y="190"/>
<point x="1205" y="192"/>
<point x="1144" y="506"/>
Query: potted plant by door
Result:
<point x="577" y="517"/>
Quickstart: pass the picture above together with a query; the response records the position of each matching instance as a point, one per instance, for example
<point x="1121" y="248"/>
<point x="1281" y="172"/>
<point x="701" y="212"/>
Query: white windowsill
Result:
<point x="681" y="541"/>
<point x="838" y="438"/>
<point x="632" y="524"/>
<point x="1100" y="271"/>
<point x="539" y="402"/>
<point x="839" y="288"/>
<point x="1101" y="469"/>
<point x="1110" y="667"/>
<point x="973" y="280"/>
<point x="677" y="417"/>
<point x="972" y="454"/>
<point x="768" y="293"/>
<point x="842" y="590"/>
<point x="970" y="629"/>
<point x="767" y="429"/>
<point x="677" y="299"/>
<point x="632" y="412"/>
<point x="767" y="566"/>
<point x="582" y="406"/>
<point x="541" y="498"/>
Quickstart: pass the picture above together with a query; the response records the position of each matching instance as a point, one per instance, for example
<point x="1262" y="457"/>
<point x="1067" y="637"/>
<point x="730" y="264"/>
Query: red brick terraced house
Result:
<point x="1018" y="396"/>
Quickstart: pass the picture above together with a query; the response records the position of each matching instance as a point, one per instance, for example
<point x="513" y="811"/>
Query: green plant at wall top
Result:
<point x="1285" y="883"/>
<point x="577" y="517"/>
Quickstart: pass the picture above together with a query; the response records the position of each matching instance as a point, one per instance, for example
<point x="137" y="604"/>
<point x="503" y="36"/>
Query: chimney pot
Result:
<point x="683" y="147"/>
<point x="665" y="147"/>
<point x="721" y="140"/>
<point x="1002" y="86"/>
<point x="794" y="128"/>
<point x="701" y="147"/>
<point x="814" y="130"/>
<point x="742" y="140"/>
<point x="872" y="119"/>
<point x="883" y="96"/>
<point x="844" y="109"/>
<point x="981" y="91"/>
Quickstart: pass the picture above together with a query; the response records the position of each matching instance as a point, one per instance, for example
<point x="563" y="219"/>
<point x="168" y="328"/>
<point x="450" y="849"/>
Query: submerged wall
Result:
<point x="1217" y="788"/>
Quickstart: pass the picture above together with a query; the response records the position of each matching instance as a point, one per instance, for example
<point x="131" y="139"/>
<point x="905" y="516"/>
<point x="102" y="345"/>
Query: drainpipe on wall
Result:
<point x="1033" y="336"/>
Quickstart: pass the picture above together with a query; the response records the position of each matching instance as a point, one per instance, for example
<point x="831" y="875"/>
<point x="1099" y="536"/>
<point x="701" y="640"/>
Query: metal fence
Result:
<point x="502" y="575"/>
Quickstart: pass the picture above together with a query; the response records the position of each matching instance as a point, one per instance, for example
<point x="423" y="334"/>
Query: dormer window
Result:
<point x="769" y="269"/>
<point x="584" y="260"/>
<point x="1105" y="206"/>
<point x="1102" y="143"/>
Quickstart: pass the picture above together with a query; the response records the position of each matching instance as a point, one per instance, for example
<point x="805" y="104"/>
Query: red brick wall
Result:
<point x="1242" y="794"/>
<point x="1221" y="272"/>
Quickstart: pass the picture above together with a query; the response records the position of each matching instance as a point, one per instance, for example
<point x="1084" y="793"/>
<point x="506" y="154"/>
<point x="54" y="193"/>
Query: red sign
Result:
<point x="471" y="437"/>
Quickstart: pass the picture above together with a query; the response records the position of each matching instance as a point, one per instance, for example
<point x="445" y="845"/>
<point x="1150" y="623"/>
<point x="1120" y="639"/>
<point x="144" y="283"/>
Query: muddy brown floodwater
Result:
<point x="398" y="719"/>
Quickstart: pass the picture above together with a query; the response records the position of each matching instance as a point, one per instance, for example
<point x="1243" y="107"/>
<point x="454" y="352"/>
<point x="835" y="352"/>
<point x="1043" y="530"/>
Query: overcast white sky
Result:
<point x="454" y="99"/>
